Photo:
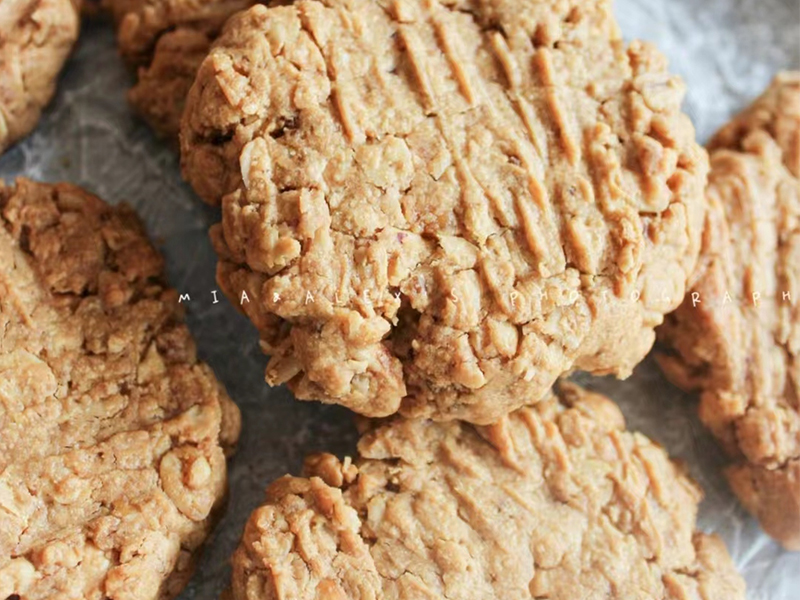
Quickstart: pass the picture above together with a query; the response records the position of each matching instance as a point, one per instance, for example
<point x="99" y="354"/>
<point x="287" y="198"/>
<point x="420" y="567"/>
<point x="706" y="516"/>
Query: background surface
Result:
<point x="726" y="50"/>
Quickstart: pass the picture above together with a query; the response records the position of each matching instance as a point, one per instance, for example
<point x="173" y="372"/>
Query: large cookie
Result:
<point x="112" y="434"/>
<point x="165" y="41"/>
<point x="440" y="208"/>
<point x="36" y="37"/>
<point x="736" y="337"/>
<point x="555" y="501"/>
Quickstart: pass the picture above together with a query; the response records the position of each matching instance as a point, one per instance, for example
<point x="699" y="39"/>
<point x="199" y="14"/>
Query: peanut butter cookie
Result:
<point x="112" y="434"/>
<point x="36" y="37"/>
<point x="555" y="501"/>
<point x="736" y="337"/>
<point x="439" y="208"/>
<point x="165" y="41"/>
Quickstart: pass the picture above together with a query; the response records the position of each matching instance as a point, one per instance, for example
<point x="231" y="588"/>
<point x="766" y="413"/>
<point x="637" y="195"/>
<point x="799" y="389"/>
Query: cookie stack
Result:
<point x="432" y="212"/>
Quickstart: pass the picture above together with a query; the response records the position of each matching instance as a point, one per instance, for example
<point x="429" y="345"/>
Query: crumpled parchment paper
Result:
<point x="726" y="51"/>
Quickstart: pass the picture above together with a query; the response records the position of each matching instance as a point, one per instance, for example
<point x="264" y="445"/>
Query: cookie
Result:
<point x="112" y="434"/>
<point x="159" y="94"/>
<point x="165" y="41"/>
<point x="440" y="208"/>
<point x="736" y="337"/>
<point x="36" y="37"/>
<point x="555" y="501"/>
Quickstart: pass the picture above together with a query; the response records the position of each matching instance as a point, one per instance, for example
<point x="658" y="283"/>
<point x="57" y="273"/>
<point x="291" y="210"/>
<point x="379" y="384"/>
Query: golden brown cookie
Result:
<point x="736" y="337"/>
<point x="112" y="434"/>
<point x="555" y="501"/>
<point x="440" y="208"/>
<point x="165" y="41"/>
<point x="36" y="37"/>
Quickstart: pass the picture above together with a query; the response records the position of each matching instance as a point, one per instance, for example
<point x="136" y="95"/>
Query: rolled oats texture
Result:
<point x="726" y="52"/>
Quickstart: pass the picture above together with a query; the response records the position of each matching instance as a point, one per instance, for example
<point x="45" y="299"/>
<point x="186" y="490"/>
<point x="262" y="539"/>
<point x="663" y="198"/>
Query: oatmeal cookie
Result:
<point x="165" y="41"/>
<point x="36" y="37"/>
<point x="555" y="501"/>
<point x="112" y="434"/>
<point x="439" y="208"/>
<point x="736" y="337"/>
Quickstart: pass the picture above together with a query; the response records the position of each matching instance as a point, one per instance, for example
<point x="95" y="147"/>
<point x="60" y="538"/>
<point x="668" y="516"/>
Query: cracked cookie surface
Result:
<point x="736" y="337"/>
<point x="439" y="208"/>
<point x="112" y="434"/>
<point x="36" y="37"/>
<point x="554" y="501"/>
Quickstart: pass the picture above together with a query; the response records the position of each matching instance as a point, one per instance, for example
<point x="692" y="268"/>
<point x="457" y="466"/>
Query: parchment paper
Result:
<point x="726" y="50"/>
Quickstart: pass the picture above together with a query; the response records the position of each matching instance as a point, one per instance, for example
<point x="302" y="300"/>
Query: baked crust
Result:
<point x="555" y="501"/>
<point x="437" y="208"/>
<point x="740" y="350"/>
<point x="36" y="37"/>
<point x="112" y="434"/>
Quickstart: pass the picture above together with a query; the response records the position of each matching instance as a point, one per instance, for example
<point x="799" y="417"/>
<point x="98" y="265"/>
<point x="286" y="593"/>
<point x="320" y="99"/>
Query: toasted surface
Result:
<point x="555" y="501"/>
<point x="112" y="434"/>
<point x="738" y="340"/>
<point x="36" y="37"/>
<point x="438" y="208"/>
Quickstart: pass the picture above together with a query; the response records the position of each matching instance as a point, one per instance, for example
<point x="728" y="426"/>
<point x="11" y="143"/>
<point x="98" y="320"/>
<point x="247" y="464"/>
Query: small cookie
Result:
<point x="112" y="434"/>
<point x="555" y="501"/>
<point x="439" y="208"/>
<point x="165" y="41"/>
<point x="736" y="337"/>
<point x="36" y="37"/>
